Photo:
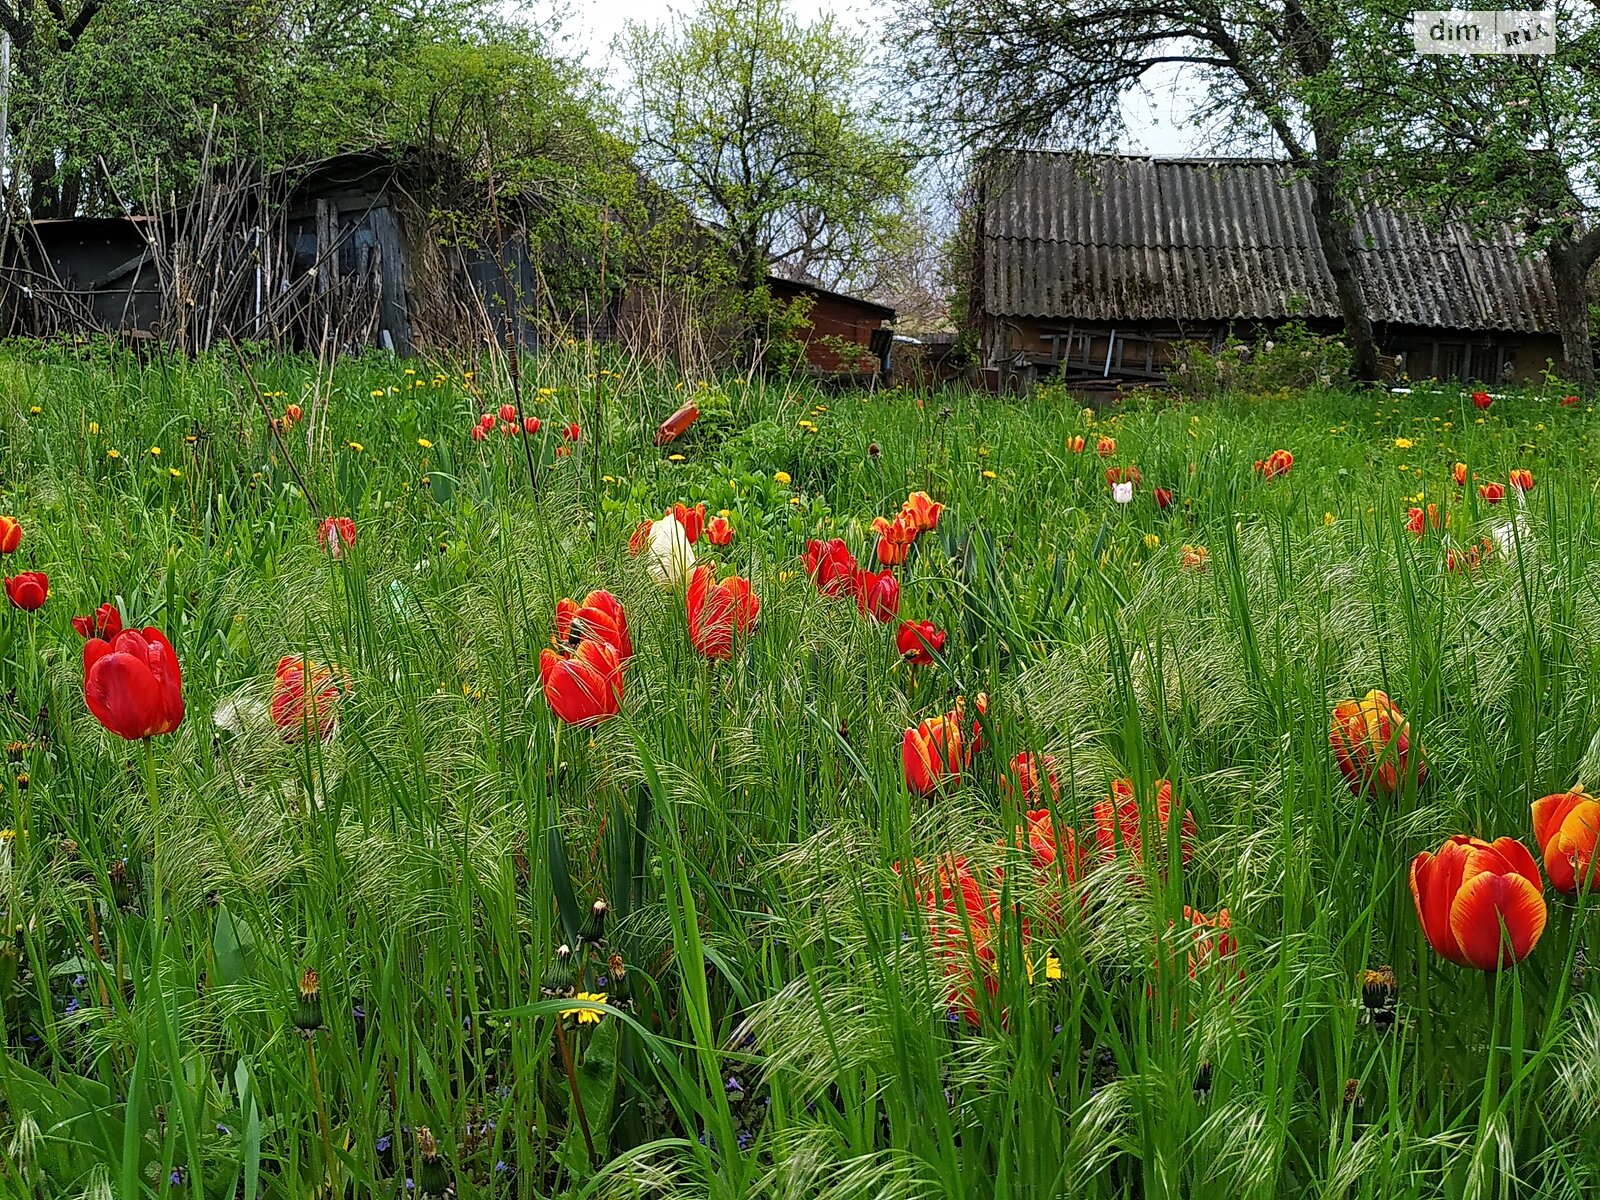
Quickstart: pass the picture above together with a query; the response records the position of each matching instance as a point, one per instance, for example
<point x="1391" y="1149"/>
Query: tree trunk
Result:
<point x="1570" y="264"/>
<point x="1336" y="232"/>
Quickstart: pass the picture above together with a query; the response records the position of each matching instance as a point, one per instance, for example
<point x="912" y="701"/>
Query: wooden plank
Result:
<point x="116" y="273"/>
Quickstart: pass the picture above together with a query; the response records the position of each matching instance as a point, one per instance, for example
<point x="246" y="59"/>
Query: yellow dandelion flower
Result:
<point x="174" y="472"/>
<point x="782" y="477"/>
<point x="112" y="453"/>
<point x="608" y="479"/>
<point x="989" y="475"/>
<point x="675" y="458"/>
<point x="983" y="452"/>
<point x="794" y="499"/>
<point x="36" y="410"/>
<point x="376" y="393"/>
<point x="425" y="443"/>
<point x="587" y="1016"/>
<point x="1328" y="518"/>
<point x="356" y="446"/>
<point x="1152" y="540"/>
<point x="155" y="451"/>
<point x="1403" y="443"/>
<point x="94" y="428"/>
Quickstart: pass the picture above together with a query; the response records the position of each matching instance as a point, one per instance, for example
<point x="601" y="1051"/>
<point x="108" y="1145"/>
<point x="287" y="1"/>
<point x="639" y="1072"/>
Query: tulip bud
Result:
<point x="308" y="1014"/>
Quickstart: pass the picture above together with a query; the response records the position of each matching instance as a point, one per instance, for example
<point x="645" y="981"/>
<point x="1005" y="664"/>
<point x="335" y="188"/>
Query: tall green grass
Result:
<point x="784" y="1030"/>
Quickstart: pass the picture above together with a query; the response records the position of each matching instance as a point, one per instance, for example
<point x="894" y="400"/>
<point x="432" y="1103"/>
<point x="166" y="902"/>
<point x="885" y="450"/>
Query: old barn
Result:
<point x="1098" y="267"/>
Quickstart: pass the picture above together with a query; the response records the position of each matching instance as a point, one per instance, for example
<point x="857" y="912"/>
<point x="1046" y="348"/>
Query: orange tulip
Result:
<point x="585" y="687"/>
<point x="922" y="512"/>
<point x="598" y="618"/>
<point x="894" y="538"/>
<point x="962" y="919"/>
<point x="932" y="753"/>
<point x="640" y="537"/>
<point x="1419" y="522"/>
<point x="677" y="424"/>
<point x="1194" y="558"/>
<point x="1566" y="827"/>
<point x="10" y="535"/>
<point x="1522" y="480"/>
<point x="693" y="520"/>
<point x="1470" y="558"/>
<point x="1075" y="444"/>
<point x="1275" y="464"/>
<point x="1460" y="474"/>
<point x="1371" y="742"/>
<point x="1491" y="493"/>
<point x="719" y="532"/>
<point x="1105" y="447"/>
<point x="1029" y="768"/>
<point x="304" y="695"/>
<point x="719" y="611"/>
<point x="1480" y="904"/>
<point x="293" y="413"/>
<point x="1116" y="475"/>
<point x="1121" y="816"/>
<point x="1212" y="940"/>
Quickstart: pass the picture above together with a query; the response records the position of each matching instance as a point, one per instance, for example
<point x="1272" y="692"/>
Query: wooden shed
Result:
<point x="838" y="323"/>
<point x="1099" y="266"/>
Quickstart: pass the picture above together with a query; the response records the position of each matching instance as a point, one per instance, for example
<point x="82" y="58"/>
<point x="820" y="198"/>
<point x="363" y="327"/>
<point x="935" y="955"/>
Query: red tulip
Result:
<point x="1522" y="480"/>
<point x="719" y="611"/>
<point x="894" y="538"/>
<point x="1105" y="447"/>
<point x="1418" y="521"/>
<point x="1116" y="475"/>
<point x="479" y="433"/>
<point x="831" y="566"/>
<point x="1569" y="402"/>
<point x="1049" y="844"/>
<point x="599" y="618"/>
<point x="572" y="433"/>
<point x="530" y="425"/>
<point x="486" y="422"/>
<point x="1491" y="493"/>
<point x="877" y="594"/>
<point x="304" y="694"/>
<point x="510" y="429"/>
<point x="692" y="519"/>
<point x="1075" y="444"/>
<point x="104" y="622"/>
<point x="640" y="537"/>
<point x="1481" y="400"/>
<point x="932" y="753"/>
<point x="584" y="687"/>
<point x="28" y="590"/>
<point x="1029" y="768"/>
<point x="1371" y="742"/>
<point x="921" y="512"/>
<point x="1460" y="474"/>
<point x="677" y="424"/>
<point x="1470" y="558"/>
<point x="132" y="683"/>
<point x="1120" y="816"/>
<point x="962" y="922"/>
<point x="1275" y="464"/>
<point x="919" y="641"/>
<point x="10" y="535"/>
<point x="719" y="532"/>
<point x="1213" y="943"/>
<point x="337" y="533"/>
<point x="1470" y="892"/>
<point x="1566" y="827"/>
<point x="508" y="414"/>
<point x="1163" y="498"/>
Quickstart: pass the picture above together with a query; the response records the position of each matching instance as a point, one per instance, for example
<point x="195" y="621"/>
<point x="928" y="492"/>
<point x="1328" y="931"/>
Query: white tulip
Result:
<point x="1122" y="493"/>
<point x="670" y="557"/>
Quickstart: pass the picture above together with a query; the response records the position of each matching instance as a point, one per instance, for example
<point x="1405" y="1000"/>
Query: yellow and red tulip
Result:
<point x="1565" y="827"/>
<point x="1371" y="742"/>
<point x="1481" y="904"/>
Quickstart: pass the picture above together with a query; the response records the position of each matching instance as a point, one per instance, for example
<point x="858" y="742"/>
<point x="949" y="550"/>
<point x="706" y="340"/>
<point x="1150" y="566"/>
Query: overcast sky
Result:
<point x="592" y="24"/>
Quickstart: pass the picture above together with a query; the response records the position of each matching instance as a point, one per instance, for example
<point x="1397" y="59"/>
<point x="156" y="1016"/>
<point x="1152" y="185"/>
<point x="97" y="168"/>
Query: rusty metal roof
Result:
<point x="1106" y="238"/>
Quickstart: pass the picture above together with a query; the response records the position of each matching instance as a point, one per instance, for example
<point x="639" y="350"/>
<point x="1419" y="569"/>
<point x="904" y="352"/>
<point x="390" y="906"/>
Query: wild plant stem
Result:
<point x="330" y="1163"/>
<point x="572" y="1086"/>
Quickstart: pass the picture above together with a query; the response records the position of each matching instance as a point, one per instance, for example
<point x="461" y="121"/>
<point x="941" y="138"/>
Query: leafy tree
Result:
<point x="1012" y="73"/>
<point x="1499" y="139"/>
<point x="763" y="125"/>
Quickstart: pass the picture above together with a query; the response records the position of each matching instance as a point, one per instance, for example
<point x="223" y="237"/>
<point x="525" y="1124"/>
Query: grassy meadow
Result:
<point x="770" y="1009"/>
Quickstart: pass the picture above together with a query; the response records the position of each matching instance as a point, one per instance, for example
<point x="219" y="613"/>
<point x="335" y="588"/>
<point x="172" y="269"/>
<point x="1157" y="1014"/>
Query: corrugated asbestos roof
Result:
<point x="1102" y="238"/>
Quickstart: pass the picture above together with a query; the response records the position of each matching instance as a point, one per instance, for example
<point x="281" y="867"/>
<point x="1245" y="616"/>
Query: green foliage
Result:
<point x="1290" y="358"/>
